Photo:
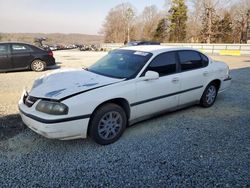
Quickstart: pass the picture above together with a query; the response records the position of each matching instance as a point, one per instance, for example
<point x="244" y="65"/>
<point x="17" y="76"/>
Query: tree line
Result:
<point x="196" y="21"/>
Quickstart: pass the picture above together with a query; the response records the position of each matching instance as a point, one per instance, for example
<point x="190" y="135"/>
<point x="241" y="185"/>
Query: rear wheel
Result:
<point x="209" y="96"/>
<point x="107" y="124"/>
<point x="38" y="65"/>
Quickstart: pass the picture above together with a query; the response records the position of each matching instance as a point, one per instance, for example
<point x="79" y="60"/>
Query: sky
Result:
<point x="60" y="16"/>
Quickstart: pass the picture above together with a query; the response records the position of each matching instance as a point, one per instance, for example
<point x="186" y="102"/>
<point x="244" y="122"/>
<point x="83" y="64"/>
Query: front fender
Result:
<point x="86" y="103"/>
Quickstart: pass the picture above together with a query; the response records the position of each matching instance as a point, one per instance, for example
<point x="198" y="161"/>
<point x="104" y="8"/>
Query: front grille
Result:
<point x="29" y="100"/>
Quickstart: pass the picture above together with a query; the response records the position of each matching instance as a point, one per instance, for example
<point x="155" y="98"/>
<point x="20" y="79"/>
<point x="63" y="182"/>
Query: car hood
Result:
<point x="63" y="83"/>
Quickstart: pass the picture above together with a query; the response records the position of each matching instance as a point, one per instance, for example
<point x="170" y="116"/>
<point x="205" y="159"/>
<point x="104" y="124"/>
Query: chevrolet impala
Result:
<point x="127" y="85"/>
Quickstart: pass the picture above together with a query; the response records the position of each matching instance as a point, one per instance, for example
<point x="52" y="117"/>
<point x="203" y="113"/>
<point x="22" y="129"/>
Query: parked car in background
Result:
<point x="137" y="43"/>
<point x="91" y="47"/>
<point x="126" y="86"/>
<point x="22" y="56"/>
<point x="53" y="47"/>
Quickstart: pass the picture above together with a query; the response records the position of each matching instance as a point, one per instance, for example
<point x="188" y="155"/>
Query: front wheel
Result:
<point x="38" y="65"/>
<point x="209" y="96"/>
<point x="107" y="124"/>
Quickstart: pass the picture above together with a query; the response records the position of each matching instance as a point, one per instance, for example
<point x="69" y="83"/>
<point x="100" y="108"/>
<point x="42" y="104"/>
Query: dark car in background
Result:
<point x="137" y="43"/>
<point x="22" y="56"/>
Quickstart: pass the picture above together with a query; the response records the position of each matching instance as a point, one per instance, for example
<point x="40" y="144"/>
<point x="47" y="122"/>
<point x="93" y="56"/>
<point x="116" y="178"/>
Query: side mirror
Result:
<point x="151" y="75"/>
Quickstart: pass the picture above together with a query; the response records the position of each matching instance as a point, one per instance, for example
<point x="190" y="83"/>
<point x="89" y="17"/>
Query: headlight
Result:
<point x="53" y="108"/>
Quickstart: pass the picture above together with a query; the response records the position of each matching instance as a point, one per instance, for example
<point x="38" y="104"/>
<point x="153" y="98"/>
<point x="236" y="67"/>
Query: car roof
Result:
<point x="143" y="41"/>
<point x="13" y="42"/>
<point x="155" y="49"/>
<point x="22" y="43"/>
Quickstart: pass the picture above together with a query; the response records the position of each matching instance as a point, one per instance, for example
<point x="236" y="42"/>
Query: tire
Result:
<point x="38" y="65"/>
<point x="209" y="96"/>
<point x="107" y="124"/>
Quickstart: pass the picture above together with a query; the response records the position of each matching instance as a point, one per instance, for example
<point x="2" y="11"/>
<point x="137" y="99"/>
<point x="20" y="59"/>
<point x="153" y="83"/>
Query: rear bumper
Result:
<point x="50" y="61"/>
<point x="225" y="84"/>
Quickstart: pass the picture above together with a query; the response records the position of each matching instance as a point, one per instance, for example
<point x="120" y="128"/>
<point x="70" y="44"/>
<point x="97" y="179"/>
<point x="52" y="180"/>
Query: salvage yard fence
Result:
<point x="214" y="49"/>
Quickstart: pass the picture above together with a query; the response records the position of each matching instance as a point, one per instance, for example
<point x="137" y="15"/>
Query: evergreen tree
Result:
<point x="160" y="33"/>
<point x="225" y="30"/>
<point x="178" y="19"/>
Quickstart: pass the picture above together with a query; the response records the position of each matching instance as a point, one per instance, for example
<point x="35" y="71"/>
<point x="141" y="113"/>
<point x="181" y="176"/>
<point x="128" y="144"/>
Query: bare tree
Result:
<point x="148" y="22"/>
<point x="208" y="21"/>
<point x="194" y="23"/>
<point x="118" y="23"/>
<point x="209" y="8"/>
<point x="241" y="23"/>
<point x="212" y="10"/>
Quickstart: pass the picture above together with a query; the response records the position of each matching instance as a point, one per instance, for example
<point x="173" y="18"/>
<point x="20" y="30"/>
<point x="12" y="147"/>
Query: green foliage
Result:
<point x="178" y="19"/>
<point x="160" y="32"/>
<point x="206" y="23"/>
<point x="221" y="28"/>
<point x="225" y="30"/>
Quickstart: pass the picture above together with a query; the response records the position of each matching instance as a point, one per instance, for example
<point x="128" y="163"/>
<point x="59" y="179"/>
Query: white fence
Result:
<point x="221" y="49"/>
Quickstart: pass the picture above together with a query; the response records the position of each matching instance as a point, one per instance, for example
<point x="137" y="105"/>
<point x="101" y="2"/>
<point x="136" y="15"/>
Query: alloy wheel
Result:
<point x="211" y="94"/>
<point x="38" y="65"/>
<point x="110" y="125"/>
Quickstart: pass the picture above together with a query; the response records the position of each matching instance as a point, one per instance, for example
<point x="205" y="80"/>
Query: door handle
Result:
<point x="205" y="73"/>
<point x="174" y="80"/>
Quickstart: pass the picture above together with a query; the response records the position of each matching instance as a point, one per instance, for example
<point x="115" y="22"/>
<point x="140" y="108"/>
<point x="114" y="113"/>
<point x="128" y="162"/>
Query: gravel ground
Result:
<point x="194" y="147"/>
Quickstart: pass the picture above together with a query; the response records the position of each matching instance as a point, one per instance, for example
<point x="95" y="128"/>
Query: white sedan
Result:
<point x="126" y="86"/>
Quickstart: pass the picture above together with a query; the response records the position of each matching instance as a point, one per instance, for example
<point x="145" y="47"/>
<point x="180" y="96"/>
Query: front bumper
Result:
<point x="62" y="129"/>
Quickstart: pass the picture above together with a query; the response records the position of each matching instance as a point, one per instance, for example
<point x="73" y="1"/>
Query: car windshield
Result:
<point x="121" y="63"/>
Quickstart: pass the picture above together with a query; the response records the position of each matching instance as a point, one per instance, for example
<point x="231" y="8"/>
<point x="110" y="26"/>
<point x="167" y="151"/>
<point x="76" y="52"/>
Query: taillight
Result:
<point x="50" y="53"/>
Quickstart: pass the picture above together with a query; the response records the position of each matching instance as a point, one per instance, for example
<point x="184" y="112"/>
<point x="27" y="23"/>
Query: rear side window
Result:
<point x="3" y="49"/>
<point x="190" y="60"/>
<point x="164" y="64"/>
<point x="19" y="48"/>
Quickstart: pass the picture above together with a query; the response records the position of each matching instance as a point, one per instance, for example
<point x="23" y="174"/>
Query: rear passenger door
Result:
<point x="194" y="74"/>
<point x="158" y="95"/>
<point x="21" y="55"/>
<point x="5" y="60"/>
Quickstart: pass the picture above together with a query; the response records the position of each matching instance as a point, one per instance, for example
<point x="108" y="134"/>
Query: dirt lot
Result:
<point x="191" y="147"/>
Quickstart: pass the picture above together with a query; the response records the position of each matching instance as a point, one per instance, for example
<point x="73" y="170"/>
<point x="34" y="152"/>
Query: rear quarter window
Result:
<point x="205" y="60"/>
<point x="20" y="48"/>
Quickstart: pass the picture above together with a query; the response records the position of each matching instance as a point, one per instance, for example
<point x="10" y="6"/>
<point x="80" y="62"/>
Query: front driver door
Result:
<point x="161" y="94"/>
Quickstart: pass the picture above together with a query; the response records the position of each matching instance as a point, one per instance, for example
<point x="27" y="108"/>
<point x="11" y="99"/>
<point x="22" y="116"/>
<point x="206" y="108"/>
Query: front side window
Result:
<point x="121" y="63"/>
<point x="20" y="48"/>
<point x="190" y="60"/>
<point x="3" y="49"/>
<point x="164" y="64"/>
